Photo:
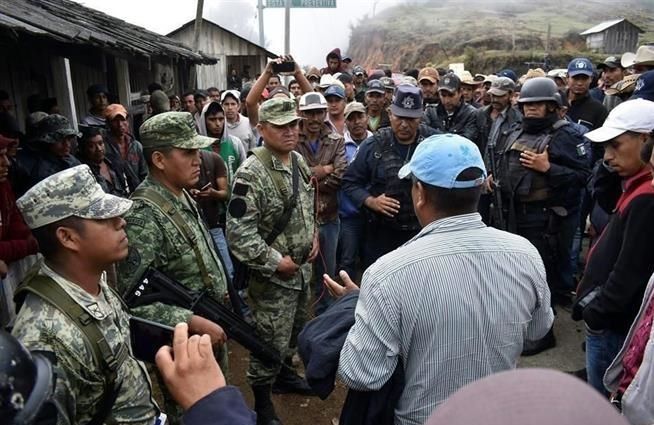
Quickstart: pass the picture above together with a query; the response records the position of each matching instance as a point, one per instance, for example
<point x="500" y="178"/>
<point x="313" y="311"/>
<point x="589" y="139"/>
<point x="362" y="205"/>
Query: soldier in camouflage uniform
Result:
<point x="80" y="231"/>
<point x="280" y="271"/>
<point x="171" y="148"/>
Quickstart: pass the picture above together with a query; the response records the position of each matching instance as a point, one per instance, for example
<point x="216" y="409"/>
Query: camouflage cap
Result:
<point x="278" y="111"/>
<point x="172" y="129"/>
<point x="72" y="192"/>
<point x="53" y="128"/>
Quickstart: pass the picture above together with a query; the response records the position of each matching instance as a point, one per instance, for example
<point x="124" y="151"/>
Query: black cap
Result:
<point x="449" y="82"/>
<point x="610" y="62"/>
<point x="95" y="89"/>
<point x="9" y="126"/>
<point x="375" y="86"/>
<point x="344" y="78"/>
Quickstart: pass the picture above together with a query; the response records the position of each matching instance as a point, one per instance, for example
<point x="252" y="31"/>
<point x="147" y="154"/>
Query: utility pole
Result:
<point x="262" y="39"/>
<point x="287" y="24"/>
<point x="196" y="43"/>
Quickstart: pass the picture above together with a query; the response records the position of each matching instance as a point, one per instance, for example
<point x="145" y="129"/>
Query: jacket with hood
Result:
<point x="232" y="150"/>
<point x="341" y="68"/>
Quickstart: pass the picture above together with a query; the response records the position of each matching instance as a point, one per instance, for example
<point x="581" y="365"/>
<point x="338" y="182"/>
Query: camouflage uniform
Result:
<point x="279" y="306"/>
<point x="155" y="241"/>
<point x="41" y="326"/>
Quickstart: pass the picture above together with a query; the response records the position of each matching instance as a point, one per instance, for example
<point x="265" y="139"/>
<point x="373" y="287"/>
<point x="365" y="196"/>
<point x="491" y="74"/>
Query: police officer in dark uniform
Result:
<point x="542" y="172"/>
<point x="371" y="179"/>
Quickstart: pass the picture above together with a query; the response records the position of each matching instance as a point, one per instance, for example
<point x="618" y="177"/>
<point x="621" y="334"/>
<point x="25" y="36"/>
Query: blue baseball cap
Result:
<point x="335" y="90"/>
<point x="508" y="73"/>
<point x="407" y="102"/>
<point x="644" y="86"/>
<point x="440" y="159"/>
<point x="579" y="66"/>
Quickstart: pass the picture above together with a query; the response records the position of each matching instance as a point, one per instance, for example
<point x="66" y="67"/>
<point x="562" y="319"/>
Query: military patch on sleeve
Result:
<point x="581" y="150"/>
<point x="135" y="221"/>
<point x="133" y="260"/>
<point x="240" y="189"/>
<point x="237" y="207"/>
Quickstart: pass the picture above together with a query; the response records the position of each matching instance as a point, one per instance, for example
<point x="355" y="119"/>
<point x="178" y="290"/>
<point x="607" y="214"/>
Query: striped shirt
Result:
<point x="455" y="304"/>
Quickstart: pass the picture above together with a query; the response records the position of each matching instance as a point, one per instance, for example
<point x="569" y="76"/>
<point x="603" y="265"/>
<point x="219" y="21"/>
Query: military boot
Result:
<point x="263" y="406"/>
<point x="288" y="381"/>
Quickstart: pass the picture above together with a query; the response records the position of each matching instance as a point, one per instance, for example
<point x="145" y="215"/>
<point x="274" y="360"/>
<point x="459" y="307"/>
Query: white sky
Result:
<point x="314" y="32"/>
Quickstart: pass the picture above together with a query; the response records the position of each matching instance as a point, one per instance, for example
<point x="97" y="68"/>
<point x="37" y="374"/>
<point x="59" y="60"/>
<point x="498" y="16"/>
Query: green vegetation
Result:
<point x="484" y="33"/>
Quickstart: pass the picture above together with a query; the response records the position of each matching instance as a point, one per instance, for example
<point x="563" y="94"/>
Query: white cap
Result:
<point x="633" y="115"/>
<point x="312" y="100"/>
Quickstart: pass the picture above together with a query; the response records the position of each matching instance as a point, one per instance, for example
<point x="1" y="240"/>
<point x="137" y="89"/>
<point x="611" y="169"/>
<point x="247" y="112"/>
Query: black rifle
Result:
<point x="497" y="214"/>
<point x="155" y="286"/>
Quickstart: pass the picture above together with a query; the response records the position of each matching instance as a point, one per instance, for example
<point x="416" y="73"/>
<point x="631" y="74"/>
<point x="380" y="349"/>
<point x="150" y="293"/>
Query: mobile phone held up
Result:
<point x="278" y="68"/>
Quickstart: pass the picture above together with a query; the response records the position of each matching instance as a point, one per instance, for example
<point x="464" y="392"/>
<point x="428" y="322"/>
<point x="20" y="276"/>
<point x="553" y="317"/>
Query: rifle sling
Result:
<point x="173" y="214"/>
<point x="265" y="157"/>
<point x="104" y="358"/>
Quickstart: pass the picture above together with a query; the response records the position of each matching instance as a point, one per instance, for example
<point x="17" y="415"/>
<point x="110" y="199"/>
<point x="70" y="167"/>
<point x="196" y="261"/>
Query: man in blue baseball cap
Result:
<point x="483" y="289"/>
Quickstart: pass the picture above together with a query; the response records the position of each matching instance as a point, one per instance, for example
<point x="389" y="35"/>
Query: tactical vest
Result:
<point x="524" y="184"/>
<point x="385" y="180"/>
<point x="104" y="359"/>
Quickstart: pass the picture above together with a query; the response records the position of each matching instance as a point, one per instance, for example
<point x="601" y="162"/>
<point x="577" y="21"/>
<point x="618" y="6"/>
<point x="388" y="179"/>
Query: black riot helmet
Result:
<point x="26" y="384"/>
<point x="539" y="89"/>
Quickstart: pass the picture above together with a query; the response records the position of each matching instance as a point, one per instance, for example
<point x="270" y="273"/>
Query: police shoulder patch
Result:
<point x="237" y="207"/>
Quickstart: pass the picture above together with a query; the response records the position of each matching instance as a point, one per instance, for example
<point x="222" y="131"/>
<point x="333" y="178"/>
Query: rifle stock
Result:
<point x="155" y="286"/>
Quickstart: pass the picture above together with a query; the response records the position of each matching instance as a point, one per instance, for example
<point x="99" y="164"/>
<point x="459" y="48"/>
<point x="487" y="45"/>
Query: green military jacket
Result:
<point x="80" y="383"/>
<point x="155" y="241"/>
<point x="255" y="205"/>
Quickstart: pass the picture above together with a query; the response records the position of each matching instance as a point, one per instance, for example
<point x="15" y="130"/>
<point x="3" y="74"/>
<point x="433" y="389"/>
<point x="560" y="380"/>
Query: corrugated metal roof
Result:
<point x="68" y="22"/>
<point x="606" y="25"/>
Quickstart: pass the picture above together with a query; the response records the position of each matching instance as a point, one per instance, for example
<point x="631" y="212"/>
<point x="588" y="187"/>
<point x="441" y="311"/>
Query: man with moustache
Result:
<point x="184" y="252"/>
<point x="324" y="152"/>
<point x="371" y="179"/>
<point x="375" y="98"/>
<point x="428" y="82"/>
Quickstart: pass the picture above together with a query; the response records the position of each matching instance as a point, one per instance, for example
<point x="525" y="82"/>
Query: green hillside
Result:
<point x="485" y="34"/>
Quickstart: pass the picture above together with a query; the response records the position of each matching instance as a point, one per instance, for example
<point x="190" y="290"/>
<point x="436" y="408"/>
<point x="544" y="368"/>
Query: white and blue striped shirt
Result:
<point x="454" y="304"/>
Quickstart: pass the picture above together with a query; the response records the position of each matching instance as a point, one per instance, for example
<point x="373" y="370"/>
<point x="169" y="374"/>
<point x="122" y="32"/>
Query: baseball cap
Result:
<point x="95" y="89"/>
<point x="354" y="107"/>
<point x="278" y="111"/>
<point x="312" y="100"/>
<point x="440" y="159"/>
<point x="407" y="102"/>
<point x="334" y="90"/>
<point x="508" y="73"/>
<point x="232" y="93"/>
<point x="388" y="83"/>
<point x="277" y="90"/>
<point x="501" y="86"/>
<point x="579" y="66"/>
<point x="72" y="192"/>
<point x="344" y="77"/>
<point x="633" y="115"/>
<point x="407" y="79"/>
<point x="644" y="86"/>
<point x="53" y="128"/>
<point x="114" y="110"/>
<point x="347" y="59"/>
<point x="450" y="83"/>
<point x="610" y="62"/>
<point x="375" y="86"/>
<point x="428" y="73"/>
<point x="313" y="72"/>
<point x="526" y="396"/>
<point x="326" y="80"/>
<point x="358" y="70"/>
<point x="172" y="129"/>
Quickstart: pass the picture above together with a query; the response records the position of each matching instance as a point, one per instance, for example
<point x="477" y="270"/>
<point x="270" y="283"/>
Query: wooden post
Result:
<point x="193" y="76"/>
<point x="123" y="85"/>
<point x="63" y="88"/>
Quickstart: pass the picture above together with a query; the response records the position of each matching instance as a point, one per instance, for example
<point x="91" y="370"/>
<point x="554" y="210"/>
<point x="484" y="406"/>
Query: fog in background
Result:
<point x="314" y="32"/>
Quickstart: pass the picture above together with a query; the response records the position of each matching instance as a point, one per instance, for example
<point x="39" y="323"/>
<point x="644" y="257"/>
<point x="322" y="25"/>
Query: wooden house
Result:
<point x="231" y="50"/>
<point x="613" y="37"/>
<point x="58" y="48"/>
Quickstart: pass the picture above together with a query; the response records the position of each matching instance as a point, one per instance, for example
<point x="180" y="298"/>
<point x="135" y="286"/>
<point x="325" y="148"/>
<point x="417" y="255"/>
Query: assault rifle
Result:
<point x="155" y="286"/>
<point x="497" y="214"/>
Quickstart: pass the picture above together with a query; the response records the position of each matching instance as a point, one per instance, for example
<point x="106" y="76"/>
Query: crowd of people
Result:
<point x="472" y="208"/>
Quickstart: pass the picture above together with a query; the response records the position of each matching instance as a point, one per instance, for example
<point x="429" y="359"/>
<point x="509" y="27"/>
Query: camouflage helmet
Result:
<point x="53" y="129"/>
<point x="72" y="192"/>
<point x="539" y="89"/>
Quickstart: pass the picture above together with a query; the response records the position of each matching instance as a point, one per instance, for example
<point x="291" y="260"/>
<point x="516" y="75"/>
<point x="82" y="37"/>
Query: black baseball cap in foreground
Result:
<point x="527" y="397"/>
